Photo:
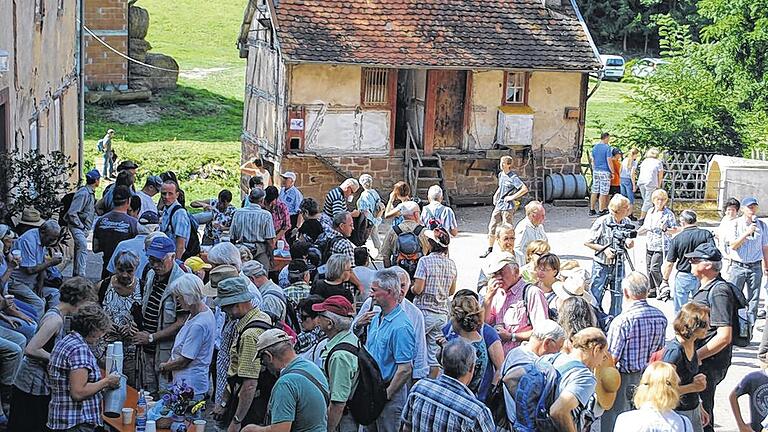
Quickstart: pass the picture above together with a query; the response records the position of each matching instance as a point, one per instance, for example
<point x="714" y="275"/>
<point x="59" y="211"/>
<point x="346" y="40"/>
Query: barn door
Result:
<point x="447" y="91"/>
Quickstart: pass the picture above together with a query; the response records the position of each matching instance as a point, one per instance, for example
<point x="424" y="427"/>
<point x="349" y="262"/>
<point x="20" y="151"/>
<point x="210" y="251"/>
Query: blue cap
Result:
<point x="93" y="174"/>
<point x="746" y="202"/>
<point x="149" y="217"/>
<point x="160" y="247"/>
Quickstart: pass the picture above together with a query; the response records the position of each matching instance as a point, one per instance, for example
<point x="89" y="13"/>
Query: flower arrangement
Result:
<point x="179" y="400"/>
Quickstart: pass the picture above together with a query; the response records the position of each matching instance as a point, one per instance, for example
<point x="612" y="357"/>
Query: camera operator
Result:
<point x="659" y="223"/>
<point x="609" y="233"/>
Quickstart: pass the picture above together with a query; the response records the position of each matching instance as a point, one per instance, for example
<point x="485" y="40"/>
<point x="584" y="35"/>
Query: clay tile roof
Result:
<point x="520" y="34"/>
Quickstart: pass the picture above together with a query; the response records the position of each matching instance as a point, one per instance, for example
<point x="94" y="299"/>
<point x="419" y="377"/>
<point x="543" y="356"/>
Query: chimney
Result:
<point x="552" y="3"/>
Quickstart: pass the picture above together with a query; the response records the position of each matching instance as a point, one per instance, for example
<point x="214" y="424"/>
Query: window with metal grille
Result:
<point x="515" y="88"/>
<point x="375" y="87"/>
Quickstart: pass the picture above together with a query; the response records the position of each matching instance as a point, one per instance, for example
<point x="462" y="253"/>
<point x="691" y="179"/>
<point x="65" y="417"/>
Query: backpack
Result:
<point x="100" y="145"/>
<point x="537" y="388"/>
<point x="370" y="396"/>
<point x="325" y="245"/>
<point x="742" y="326"/>
<point x="66" y="204"/>
<point x="407" y="249"/>
<point x="291" y="312"/>
<point x="193" y="245"/>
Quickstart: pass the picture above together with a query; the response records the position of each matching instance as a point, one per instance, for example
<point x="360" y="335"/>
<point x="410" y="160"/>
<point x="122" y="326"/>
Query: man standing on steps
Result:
<point x="105" y="147"/>
<point x="80" y="217"/>
<point x="510" y="189"/>
<point x="602" y="170"/>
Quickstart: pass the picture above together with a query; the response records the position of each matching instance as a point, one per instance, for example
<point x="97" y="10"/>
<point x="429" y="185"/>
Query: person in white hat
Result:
<point x="291" y="196"/>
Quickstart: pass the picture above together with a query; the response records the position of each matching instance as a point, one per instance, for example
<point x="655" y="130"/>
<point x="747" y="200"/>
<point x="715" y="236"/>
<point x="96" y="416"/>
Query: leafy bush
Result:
<point x="35" y="180"/>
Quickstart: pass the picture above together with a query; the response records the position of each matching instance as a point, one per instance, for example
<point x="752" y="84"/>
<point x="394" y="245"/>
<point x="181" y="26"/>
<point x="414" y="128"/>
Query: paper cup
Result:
<point x="58" y="255"/>
<point x="151" y="427"/>
<point x="127" y="416"/>
<point x="199" y="425"/>
<point x="16" y="254"/>
<point x="118" y="349"/>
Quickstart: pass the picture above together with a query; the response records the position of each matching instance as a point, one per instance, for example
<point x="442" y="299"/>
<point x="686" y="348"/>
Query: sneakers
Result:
<point x="592" y="212"/>
<point x="488" y="252"/>
<point x="603" y="213"/>
<point x="761" y="314"/>
<point x="652" y="294"/>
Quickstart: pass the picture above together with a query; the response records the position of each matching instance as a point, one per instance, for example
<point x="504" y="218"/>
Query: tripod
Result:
<point x="616" y="273"/>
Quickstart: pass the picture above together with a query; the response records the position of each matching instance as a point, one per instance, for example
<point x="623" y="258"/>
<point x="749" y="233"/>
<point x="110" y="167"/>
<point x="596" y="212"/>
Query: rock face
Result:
<point x="142" y="77"/>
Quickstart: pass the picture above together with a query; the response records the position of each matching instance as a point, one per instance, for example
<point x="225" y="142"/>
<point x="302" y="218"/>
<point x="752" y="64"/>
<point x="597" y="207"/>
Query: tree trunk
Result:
<point x="625" y="41"/>
<point x="645" y="48"/>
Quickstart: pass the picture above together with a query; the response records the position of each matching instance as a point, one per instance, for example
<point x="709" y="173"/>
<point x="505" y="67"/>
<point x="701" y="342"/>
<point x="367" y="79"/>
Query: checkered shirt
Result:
<point x="343" y="246"/>
<point x="298" y="291"/>
<point x="653" y="221"/>
<point x="445" y="405"/>
<point x="306" y="340"/>
<point x="635" y="334"/>
<point x="68" y="354"/>
<point x="280" y="216"/>
<point x="438" y="273"/>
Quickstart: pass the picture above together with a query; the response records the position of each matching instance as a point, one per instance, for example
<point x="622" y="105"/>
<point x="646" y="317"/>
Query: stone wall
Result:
<point x="143" y="77"/>
<point x="104" y="69"/>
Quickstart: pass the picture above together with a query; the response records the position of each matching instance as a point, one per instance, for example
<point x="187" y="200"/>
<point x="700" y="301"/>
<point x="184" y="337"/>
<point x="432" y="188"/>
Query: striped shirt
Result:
<point x="335" y="202"/>
<point x="179" y="226"/>
<point x="251" y="225"/>
<point x="69" y="354"/>
<point x="752" y="249"/>
<point x="635" y="334"/>
<point x="445" y="405"/>
<point x="439" y="274"/>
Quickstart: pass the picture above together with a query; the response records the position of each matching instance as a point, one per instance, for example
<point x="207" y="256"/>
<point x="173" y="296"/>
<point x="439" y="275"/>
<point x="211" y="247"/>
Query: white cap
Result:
<point x="289" y="174"/>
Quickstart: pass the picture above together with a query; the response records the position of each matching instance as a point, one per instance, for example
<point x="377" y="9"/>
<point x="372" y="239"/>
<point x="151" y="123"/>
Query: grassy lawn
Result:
<point x="199" y="126"/>
<point x="607" y="108"/>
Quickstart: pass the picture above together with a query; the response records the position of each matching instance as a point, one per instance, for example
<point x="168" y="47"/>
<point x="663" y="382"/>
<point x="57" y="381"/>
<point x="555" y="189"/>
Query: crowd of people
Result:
<point x="278" y="317"/>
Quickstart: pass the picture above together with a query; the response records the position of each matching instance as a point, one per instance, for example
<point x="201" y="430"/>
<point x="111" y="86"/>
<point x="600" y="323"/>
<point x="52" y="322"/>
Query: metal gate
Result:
<point x="686" y="174"/>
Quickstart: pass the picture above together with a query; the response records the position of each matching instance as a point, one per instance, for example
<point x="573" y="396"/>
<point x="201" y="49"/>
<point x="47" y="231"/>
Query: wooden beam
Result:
<point x="392" y="96"/>
<point x="433" y="77"/>
<point x="467" y="108"/>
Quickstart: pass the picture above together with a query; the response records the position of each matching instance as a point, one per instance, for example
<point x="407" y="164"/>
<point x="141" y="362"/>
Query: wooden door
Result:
<point x="448" y="91"/>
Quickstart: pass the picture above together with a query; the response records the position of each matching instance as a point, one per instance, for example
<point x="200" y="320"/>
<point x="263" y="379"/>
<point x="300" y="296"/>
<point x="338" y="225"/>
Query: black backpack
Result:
<point x="292" y="319"/>
<point x="325" y="245"/>
<point x="370" y="396"/>
<point x="742" y="327"/>
<point x="407" y="250"/>
<point x="193" y="245"/>
<point x="66" y="204"/>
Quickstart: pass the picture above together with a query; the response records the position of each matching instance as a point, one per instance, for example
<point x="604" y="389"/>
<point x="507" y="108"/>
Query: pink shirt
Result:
<point x="508" y="308"/>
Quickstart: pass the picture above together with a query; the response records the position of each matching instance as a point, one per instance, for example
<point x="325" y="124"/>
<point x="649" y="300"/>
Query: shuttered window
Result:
<point x="375" y="91"/>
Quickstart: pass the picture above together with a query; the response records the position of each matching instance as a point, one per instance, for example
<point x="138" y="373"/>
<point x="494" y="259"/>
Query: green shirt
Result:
<point x="296" y="399"/>
<point x="342" y="368"/>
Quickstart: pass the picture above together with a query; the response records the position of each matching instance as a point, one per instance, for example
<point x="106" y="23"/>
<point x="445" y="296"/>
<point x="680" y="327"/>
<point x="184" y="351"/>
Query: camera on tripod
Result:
<point x="622" y="232"/>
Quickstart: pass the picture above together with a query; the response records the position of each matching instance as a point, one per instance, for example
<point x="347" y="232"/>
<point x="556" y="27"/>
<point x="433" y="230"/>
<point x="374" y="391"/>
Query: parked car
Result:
<point x="647" y="67"/>
<point x="613" y="67"/>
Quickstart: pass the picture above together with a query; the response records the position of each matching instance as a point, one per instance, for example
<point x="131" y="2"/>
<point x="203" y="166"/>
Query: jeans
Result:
<point x="81" y="251"/>
<point x="714" y="376"/>
<point x="600" y="278"/>
<point x="694" y="416"/>
<point x="626" y="189"/>
<point x="686" y="285"/>
<point x="389" y="420"/>
<point x="750" y="275"/>
<point x="347" y="424"/>
<point x="27" y="329"/>
<point x="623" y="401"/>
<point x="12" y="346"/>
<point x="108" y="169"/>
<point x="28" y="296"/>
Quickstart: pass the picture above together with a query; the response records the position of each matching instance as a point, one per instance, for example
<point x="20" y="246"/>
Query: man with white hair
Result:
<point x="391" y="342"/>
<point x="547" y="338"/>
<point x="634" y="335"/>
<point x="436" y="211"/>
<point x="529" y="229"/>
<point x="368" y="310"/>
<point x="162" y="316"/>
<point x="337" y="198"/>
<point x="338" y="238"/>
<point x="446" y="404"/>
<point x="411" y="224"/>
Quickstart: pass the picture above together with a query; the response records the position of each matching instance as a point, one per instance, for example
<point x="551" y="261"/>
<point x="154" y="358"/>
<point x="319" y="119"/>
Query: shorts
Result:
<point x="613" y="190"/>
<point x="433" y="329"/>
<point x="498" y="217"/>
<point x="601" y="182"/>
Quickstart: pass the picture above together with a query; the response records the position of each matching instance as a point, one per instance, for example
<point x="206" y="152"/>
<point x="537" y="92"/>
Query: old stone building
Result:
<point x="431" y="91"/>
<point x="39" y="101"/>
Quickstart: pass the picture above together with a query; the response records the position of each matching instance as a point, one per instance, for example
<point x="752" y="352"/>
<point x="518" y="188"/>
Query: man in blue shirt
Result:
<point x="602" y="170"/>
<point x="391" y="342"/>
<point x="291" y="196"/>
<point x="510" y="189"/>
<point x="174" y="223"/>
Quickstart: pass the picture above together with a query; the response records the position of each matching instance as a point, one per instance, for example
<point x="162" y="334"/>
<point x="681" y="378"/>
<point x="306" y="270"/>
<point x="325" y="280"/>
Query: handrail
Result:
<point x="410" y="141"/>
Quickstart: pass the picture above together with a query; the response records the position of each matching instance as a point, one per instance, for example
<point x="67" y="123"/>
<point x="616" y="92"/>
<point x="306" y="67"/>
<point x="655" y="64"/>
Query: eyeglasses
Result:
<point x="695" y="260"/>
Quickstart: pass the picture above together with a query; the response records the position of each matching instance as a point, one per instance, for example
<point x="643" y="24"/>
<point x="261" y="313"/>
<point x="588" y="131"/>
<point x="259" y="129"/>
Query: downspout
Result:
<point x="81" y="91"/>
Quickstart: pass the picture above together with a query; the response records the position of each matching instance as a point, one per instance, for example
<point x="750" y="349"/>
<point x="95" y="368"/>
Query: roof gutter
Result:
<point x="586" y="30"/>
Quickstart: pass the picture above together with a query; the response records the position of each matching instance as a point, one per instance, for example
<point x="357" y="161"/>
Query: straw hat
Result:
<point x="608" y="383"/>
<point x="575" y="285"/>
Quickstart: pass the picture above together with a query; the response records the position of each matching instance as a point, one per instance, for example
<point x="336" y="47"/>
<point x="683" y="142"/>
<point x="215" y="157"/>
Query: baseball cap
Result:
<point x="160" y="247"/>
<point x="256" y="195"/>
<point x="196" y="264"/>
<point x="155" y="181"/>
<point x="289" y="174"/>
<point x="149" y="218"/>
<point x="497" y="261"/>
<point x="705" y="251"/>
<point x="93" y="174"/>
<point x="746" y="202"/>
<point x="270" y="338"/>
<point x="121" y="194"/>
<point x="232" y="291"/>
<point x="616" y="151"/>
<point x="335" y="304"/>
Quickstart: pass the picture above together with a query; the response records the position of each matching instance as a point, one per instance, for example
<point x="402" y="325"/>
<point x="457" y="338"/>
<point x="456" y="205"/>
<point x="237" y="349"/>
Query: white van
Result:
<point x="613" y="67"/>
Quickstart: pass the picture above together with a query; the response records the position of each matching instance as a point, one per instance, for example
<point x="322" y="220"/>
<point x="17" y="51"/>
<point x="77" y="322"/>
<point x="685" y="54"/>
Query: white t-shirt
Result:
<point x="146" y="203"/>
<point x="195" y="341"/>
<point x="647" y="419"/>
<point x="649" y="172"/>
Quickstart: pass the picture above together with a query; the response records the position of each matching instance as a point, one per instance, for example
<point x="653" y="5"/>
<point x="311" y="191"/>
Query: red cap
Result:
<point x="336" y="304"/>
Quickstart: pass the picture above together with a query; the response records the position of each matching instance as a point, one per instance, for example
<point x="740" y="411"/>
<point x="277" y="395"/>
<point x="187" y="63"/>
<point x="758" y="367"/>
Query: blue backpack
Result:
<point x="538" y="388"/>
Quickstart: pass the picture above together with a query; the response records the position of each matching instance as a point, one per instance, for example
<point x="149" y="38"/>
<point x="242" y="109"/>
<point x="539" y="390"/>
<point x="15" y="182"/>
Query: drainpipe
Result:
<point x="81" y="90"/>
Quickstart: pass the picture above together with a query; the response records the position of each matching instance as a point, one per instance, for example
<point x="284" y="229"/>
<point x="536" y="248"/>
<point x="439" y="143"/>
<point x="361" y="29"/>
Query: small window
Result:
<point x="375" y="91"/>
<point x="33" y="137"/>
<point x="515" y="88"/>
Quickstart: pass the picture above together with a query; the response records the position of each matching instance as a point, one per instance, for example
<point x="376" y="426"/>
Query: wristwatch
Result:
<point x="514" y="337"/>
<point x="151" y="338"/>
<point x="236" y="420"/>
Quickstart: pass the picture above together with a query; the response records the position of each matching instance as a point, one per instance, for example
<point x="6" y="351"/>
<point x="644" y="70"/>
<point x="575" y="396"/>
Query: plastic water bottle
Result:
<point x="141" y="413"/>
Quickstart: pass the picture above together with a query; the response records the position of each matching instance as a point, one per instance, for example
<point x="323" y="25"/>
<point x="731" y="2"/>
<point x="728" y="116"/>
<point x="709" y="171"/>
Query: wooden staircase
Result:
<point x="423" y="171"/>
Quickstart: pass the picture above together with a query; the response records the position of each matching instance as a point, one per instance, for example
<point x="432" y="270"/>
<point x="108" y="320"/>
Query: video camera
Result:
<point x="621" y="232"/>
